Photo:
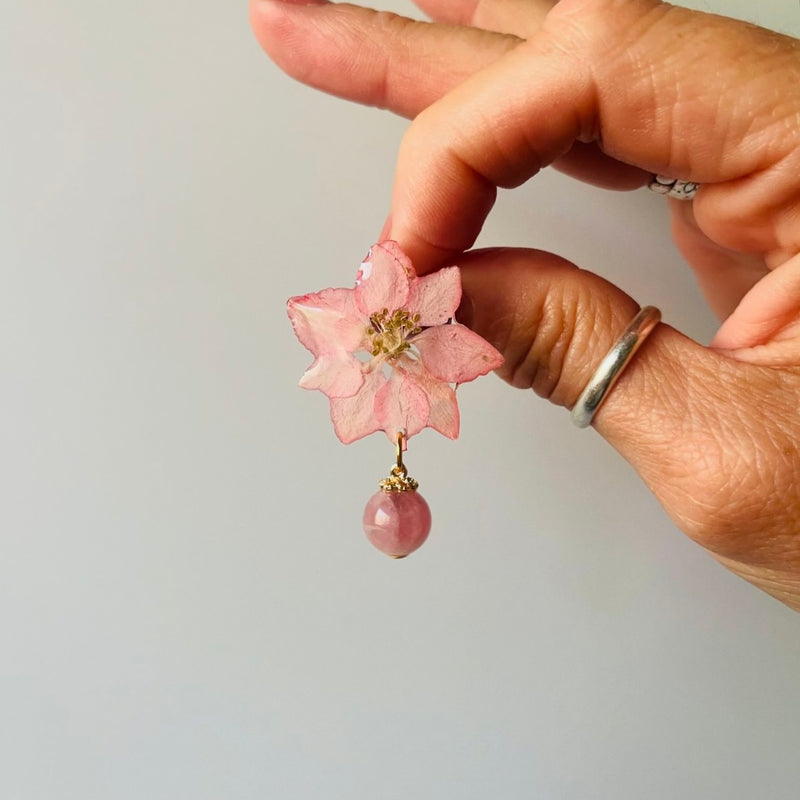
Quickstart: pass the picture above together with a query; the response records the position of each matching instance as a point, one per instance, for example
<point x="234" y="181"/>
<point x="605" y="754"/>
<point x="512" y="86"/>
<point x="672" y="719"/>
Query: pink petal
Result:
<point x="328" y="322"/>
<point x="443" y="416"/>
<point x="435" y="297"/>
<point x="334" y="375"/>
<point x="354" y="417"/>
<point x="382" y="282"/>
<point x="401" y="405"/>
<point x="455" y="354"/>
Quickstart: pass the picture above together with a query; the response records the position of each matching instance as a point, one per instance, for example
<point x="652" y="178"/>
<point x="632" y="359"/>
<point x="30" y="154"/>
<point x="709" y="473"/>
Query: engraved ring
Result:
<point x="672" y="187"/>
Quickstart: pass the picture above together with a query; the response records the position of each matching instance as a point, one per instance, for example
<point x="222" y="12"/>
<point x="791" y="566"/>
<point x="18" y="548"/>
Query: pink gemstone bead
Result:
<point x="397" y="523"/>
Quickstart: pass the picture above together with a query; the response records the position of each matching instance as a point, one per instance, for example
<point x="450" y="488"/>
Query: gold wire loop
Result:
<point x="399" y="480"/>
<point x="399" y="453"/>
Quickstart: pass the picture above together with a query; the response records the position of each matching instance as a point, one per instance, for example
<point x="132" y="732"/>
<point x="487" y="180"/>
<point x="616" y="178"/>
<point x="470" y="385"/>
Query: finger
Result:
<point x="522" y="18"/>
<point x="768" y="314"/>
<point x="586" y="162"/>
<point x="724" y="276"/>
<point x="518" y="17"/>
<point x="396" y="63"/>
<point x="677" y="413"/>
<point x="372" y="57"/>
<point x="622" y="79"/>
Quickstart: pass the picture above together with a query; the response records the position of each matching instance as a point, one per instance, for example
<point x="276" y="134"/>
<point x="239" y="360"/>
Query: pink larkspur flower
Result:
<point x="411" y="352"/>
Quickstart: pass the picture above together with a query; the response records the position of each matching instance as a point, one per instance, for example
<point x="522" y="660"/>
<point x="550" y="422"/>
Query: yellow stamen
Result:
<point x="390" y="332"/>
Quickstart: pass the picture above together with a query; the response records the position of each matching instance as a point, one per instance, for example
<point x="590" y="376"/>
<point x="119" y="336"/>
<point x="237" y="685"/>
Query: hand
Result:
<point x="610" y="91"/>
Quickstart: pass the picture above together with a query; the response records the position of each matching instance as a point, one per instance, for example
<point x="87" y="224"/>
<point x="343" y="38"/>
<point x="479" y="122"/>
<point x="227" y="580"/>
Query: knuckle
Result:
<point x="538" y="336"/>
<point x="562" y="339"/>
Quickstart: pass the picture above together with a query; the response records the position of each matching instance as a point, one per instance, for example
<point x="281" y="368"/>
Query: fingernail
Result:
<point x="386" y="229"/>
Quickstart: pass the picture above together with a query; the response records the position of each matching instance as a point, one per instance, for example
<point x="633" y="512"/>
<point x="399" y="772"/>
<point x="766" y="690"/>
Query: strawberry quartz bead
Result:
<point x="397" y="522"/>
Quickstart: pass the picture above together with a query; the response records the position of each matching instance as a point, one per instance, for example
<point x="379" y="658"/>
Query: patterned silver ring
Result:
<point x="672" y="187"/>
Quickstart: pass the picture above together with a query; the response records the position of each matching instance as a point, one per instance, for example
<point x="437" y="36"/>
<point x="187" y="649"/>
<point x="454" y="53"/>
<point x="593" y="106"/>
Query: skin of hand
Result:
<point x="610" y="91"/>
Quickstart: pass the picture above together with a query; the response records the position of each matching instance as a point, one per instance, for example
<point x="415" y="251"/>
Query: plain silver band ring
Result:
<point x="606" y="375"/>
<point x="672" y="187"/>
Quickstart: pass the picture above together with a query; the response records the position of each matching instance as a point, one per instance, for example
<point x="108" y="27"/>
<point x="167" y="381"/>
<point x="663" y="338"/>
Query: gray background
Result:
<point x="188" y="608"/>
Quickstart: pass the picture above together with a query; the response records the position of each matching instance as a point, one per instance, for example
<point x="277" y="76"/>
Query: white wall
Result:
<point x="188" y="608"/>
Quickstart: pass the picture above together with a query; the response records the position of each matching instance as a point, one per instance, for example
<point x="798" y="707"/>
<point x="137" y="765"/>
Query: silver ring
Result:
<point x="606" y="375"/>
<point x="672" y="187"/>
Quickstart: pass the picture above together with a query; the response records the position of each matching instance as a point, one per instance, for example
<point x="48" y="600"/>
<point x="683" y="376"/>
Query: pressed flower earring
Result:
<point x="388" y="354"/>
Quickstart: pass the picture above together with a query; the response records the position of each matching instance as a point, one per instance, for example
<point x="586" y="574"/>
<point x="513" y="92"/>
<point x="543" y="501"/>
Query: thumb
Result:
<point x="707" y="433"/>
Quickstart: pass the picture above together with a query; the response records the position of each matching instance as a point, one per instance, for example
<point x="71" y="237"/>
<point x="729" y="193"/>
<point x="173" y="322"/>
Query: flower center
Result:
<point x="390" y="332"/>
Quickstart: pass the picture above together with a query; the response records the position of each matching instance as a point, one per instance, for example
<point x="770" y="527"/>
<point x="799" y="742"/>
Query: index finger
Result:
<point x="621" y="74"/>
